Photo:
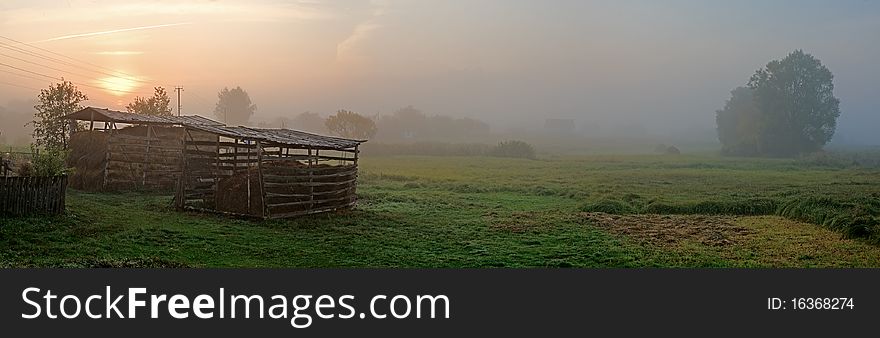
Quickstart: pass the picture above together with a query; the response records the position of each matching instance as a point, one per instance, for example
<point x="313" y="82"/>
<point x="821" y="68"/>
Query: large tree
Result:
<point x="309" y="121"/>
<point x="798" y="108"/>
<point x="60" y="99"/>
<point x="738" y="124"/>
<point x="234" y="106"/>
<point x="350" y="124"/>
<point x="792" y="110"/>
<point x="159" y="104"/>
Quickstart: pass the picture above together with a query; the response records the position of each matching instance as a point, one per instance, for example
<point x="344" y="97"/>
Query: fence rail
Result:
<point x="32" y="195"/>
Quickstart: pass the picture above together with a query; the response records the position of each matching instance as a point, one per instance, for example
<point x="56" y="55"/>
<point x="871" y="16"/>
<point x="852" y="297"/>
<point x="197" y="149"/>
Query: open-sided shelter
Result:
<point x="266" y="173"/>
<point x="126" y="151"/>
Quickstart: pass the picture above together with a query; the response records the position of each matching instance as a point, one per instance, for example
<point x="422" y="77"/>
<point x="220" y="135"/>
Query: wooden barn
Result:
<point x="123" y="151"/>
<point x="266" y="173"/>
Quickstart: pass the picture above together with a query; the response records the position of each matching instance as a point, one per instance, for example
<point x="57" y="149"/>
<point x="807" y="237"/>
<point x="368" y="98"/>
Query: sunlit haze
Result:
<point x="644" y="67"/>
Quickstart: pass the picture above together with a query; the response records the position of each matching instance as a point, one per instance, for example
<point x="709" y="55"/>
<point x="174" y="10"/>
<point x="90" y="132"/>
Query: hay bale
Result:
<point x="88" y="155"/>
<point x="233" y="193"/>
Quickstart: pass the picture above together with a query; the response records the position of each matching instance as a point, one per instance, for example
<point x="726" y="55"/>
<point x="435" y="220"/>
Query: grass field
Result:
<point x="593" y="211"/>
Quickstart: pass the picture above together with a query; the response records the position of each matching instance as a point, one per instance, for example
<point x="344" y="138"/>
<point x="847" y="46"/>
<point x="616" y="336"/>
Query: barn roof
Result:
<point x="281" y="136"/>
<point x="107" y="115"/>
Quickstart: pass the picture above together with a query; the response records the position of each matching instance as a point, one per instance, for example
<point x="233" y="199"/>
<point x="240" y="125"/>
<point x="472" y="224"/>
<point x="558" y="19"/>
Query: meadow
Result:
<point x="473" y="211"/>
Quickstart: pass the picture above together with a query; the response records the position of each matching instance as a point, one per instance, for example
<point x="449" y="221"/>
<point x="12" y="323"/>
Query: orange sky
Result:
<point x="642" y="65"/>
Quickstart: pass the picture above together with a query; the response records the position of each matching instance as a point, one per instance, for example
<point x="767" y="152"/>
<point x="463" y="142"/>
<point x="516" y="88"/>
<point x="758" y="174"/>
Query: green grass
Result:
<point x="484" y="212"/>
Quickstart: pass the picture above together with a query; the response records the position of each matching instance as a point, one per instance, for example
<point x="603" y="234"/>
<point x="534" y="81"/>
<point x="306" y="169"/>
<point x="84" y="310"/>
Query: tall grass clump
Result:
<point x="748" y="207"/>
<point x="857" y="218"/>
<point x="513" y="148"/>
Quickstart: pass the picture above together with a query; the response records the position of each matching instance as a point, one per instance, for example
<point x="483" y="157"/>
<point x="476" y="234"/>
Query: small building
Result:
<point x="266" y="173"/>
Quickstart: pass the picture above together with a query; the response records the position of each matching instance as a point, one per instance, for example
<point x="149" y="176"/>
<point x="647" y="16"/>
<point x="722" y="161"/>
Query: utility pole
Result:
<point x="178" y="89"/>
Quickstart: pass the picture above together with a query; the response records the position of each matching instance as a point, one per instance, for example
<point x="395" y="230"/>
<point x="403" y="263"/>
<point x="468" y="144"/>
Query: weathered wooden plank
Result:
<point x="308" y="184"/>
<point x="312" y="211"/>
<point x="315" y="201"/>
<point x="291" y="178"/>
<point x="319" y="193"/>
<point x="306" y="157"/>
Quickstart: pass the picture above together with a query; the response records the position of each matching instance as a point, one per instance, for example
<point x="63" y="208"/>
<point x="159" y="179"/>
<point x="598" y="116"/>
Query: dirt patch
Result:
<point x="664" y="230"/>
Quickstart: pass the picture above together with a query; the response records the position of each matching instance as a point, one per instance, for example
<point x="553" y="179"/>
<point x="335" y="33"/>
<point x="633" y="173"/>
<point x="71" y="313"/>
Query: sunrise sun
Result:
<point x="117" y="85"/>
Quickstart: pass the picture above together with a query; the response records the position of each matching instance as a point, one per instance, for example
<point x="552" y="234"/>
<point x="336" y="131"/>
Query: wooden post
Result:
<point x="181" y="181"/>
<point x="235" y="158"/>
<point x="92" y="120"/>
<point x="146" y="159"/>
<point x="106" y="164"/>
<point x="217" y="175"/>
<point x="265" y="212"/>
<point x="311" y="187"/>
<point x="356" y="152"/>
<point x="248" y="177"/>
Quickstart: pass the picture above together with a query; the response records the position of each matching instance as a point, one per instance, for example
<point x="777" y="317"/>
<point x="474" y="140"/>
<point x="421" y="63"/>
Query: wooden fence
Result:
<point x="32" y="195"/>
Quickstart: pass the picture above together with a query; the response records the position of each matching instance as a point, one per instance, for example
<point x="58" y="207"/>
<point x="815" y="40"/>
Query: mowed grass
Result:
<point x="465" y="212"/>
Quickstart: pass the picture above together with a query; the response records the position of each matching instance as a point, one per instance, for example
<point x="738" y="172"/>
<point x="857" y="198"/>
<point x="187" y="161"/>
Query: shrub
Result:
<point x="513" y="148"/>
<point x="49" y="162"/>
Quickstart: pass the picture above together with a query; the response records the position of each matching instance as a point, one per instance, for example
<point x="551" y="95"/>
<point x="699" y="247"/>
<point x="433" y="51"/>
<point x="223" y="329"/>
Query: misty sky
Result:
<point x="659" y="66"/>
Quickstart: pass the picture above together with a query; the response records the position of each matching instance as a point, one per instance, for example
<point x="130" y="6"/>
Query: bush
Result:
<point x="49" y="162"/>
<point x="513" y="148"/>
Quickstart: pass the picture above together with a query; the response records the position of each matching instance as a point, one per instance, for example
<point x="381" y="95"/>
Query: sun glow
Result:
<point x="118" y="86"/>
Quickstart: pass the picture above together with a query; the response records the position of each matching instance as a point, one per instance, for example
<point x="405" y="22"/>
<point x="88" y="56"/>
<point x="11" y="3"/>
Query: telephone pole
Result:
<point x="178" y="89"/>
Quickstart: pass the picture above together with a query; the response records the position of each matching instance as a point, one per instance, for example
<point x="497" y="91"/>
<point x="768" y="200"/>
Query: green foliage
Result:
<point x="234" y="106"/>
<point x="788" y="109"/>
<point x="159" y="104"/>
<point x="49" y="162"/>
<point x="737" y="124"/>
<point x="513" y="148"/>
<point x="50" y="129"/>
<point x="352" y="125"/>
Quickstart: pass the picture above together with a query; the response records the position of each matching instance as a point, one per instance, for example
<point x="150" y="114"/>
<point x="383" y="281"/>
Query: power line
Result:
<point x="62" y="79"/>
<point x="56" y="69"/>
<point x="49" y="58"/>
<point x="131" y="77"/>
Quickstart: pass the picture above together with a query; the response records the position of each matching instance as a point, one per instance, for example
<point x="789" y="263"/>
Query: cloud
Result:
<point x="84" y="35"/>
<point x="83" y="12"/>
<point x="119" y="52"/>
<point x="346" y="49"/>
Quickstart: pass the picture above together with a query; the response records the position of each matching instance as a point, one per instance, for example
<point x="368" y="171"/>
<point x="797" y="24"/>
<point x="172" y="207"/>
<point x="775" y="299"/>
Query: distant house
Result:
<point x="559" y="126"/>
